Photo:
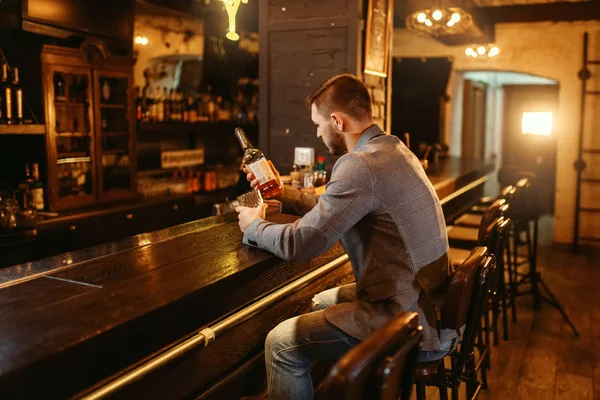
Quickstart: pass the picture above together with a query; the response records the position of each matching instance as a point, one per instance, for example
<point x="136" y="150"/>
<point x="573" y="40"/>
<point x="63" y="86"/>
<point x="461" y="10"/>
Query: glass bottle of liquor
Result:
<point x="160" y="105"/>
<point x="255" y="160"/>
<point x="18" y="98"/>
<point x="6" y="90"/>
<point x="25" y="188"/>
<point x="59" y="87"/>
<point x="105" y="91"/>
<point x="320" y="174"/>
<point x="138" y="104"/>
<point x="37" y="189"/>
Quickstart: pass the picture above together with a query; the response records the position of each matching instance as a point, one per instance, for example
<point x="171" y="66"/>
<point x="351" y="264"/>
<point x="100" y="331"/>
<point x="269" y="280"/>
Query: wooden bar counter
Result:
<point x="72" y="323"/>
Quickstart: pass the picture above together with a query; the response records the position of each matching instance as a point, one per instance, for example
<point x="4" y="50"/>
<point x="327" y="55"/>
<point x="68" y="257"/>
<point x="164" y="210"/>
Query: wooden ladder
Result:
<point x="580" y="165"/>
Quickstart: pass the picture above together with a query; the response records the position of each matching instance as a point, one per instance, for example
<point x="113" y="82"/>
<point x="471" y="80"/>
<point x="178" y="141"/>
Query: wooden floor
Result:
<point x="543" y="359"/>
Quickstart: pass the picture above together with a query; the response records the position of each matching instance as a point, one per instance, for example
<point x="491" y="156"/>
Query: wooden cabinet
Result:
<point x="90" y="125"/>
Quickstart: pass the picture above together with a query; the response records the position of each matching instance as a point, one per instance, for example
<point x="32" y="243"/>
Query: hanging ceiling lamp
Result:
<point x="232" y="7"/>
<point x="440" y="20"/>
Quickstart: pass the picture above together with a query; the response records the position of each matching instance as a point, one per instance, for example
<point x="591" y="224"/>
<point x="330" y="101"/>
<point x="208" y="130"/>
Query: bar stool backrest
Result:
<point x="380" y="368"/>
<point x="497" y="209"/>
<point x="465" y="301"/>
<point x="496" y="236"/>
<point x="507" y="193"/>
<point x="524" y="205"/>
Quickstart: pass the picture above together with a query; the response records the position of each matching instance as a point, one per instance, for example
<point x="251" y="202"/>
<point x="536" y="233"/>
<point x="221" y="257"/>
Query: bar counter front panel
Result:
<point x="74" y="322"/>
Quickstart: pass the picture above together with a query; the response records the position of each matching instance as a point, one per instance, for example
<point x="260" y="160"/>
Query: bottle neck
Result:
<point x="16" y="76"/>
<point x="4" y="77"/>
<point x="244" y="142"/>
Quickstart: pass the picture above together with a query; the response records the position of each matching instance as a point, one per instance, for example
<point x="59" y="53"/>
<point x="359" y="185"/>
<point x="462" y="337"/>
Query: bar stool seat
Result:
<point x="458" y="256"/>
<point x="468" y="219"/>
<point x="463" y="233"/>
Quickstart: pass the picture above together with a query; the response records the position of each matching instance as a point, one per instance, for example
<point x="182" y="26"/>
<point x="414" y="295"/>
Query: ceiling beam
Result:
<point x="555" y="12"/>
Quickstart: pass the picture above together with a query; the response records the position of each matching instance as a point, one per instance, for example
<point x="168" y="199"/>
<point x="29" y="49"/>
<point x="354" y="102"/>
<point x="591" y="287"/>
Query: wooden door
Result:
<point x="473" y="124"/>
<point x="530" y="152"/>
<point x="302" y="43"/>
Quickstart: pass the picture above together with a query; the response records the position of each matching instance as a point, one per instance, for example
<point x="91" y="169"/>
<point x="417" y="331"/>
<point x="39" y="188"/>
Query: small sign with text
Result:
<point x="182" y="158"/>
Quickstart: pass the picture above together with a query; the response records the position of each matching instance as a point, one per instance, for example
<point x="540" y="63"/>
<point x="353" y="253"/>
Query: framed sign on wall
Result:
<point x="377" y="42"/>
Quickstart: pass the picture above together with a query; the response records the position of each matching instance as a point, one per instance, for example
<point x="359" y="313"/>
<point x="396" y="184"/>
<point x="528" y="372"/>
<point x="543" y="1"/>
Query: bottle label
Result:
<point x="8" y="104"/>
<point x="19" y="104"/>
<point x="262" y="171"/>
<point x="37" y="196"/>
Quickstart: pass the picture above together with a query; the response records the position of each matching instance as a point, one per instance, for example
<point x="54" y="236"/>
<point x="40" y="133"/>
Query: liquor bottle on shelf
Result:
<point x="320" y="174"/>
<point x="139" y="111"/>
<point x="160" y="105"/>
<point x="151" y="106"/>
<point x="37" y="189"/>
<point x="59" y="87"/>
<point x="17" y="101"/>
<point x="7" y="98"/>
<point x="25" y="189"/>
<point x="74" y="89"/>
<point x="255" y="160"/>
<point x="105" y="91"/>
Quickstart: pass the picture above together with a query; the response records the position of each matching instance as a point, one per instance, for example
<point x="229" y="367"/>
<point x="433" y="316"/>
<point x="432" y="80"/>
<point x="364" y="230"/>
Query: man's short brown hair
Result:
<point x="345" y="93"/>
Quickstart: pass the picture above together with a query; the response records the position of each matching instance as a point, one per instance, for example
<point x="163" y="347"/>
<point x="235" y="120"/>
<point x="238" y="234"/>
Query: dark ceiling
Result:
<point x="485" y="17"/>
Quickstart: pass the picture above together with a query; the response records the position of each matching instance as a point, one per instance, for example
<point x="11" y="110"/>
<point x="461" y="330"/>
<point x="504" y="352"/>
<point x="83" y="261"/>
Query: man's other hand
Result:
<point x="247" y="215"/>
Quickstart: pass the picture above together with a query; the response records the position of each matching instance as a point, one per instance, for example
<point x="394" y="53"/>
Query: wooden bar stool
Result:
<point x="380" y="368"/>
<point x="465" y="303"/>
<point x="462" y="239"/>
<point x="495" y="238"/>
<point x="475" y="214"/>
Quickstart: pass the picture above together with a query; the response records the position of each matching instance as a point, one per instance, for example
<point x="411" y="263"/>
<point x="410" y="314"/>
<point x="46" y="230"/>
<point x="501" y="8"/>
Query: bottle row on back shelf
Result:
<point x="171" y="105"/>
<point x="202" y="179"/>
<point x="11" y="97"/>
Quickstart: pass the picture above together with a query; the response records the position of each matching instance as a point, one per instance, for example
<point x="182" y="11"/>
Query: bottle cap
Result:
<point x="320" y="159"/>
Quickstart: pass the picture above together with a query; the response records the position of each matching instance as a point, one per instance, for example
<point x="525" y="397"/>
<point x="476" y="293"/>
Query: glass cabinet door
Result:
<point x="115" y="124"/>
<point x="72" y="136"/>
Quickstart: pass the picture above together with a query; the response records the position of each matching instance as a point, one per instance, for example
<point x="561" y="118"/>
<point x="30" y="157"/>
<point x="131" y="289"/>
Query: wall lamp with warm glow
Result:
<point x="536" y="123"/>
<point x="487" y="51"/>
<point x="143" y="40"/>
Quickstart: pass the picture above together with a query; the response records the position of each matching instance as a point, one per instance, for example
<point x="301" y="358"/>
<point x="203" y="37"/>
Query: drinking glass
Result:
<point x="251" y="199"/>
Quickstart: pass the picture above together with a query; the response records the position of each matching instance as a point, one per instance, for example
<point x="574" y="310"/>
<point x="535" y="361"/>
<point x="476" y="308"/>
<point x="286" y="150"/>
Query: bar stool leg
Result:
<point x="512" y="288"/>
<point x="531" y="256"/>
<point x="421" y="391"/>
<point x="443" y="388"/>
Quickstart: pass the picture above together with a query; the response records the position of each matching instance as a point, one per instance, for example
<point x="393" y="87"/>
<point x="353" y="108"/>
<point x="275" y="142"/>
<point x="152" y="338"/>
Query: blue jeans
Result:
<point x="293" y="344"/>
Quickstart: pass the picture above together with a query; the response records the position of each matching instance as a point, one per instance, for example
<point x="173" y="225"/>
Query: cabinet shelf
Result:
<point x="67" y="104"/>
<point x="115" y="133"/>
<point x="122" y="106"/>
<point x="115" y="151"/>
<point x="73" y="154"/>
<point x="72" y="134"/>
<point x="23" y="129"/>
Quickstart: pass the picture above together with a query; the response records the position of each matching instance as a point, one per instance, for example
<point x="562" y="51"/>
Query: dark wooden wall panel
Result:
<point x="302" y="44"/>
<point x="294" y="9"/>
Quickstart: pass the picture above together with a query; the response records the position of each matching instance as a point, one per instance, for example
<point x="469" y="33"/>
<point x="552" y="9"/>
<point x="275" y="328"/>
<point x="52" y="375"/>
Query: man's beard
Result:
<point x="336" y="145"/>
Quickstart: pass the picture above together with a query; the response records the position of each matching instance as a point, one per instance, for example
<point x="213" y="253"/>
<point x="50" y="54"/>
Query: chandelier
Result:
<point x="232" y="6"/>
<point x="480" y="51"/>
<point x="439" y="21"/>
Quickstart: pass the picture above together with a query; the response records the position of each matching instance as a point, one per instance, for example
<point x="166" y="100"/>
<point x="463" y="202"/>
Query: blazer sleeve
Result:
<point x="348" y="199"/>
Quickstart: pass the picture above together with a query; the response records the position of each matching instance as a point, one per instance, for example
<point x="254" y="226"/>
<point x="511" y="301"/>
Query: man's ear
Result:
<point x="338" y="121"/>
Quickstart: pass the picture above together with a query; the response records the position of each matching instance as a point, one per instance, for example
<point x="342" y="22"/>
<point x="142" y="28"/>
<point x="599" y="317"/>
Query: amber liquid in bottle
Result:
<point x="255" y="161"/>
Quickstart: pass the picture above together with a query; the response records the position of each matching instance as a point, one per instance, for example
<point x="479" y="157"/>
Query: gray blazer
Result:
<point x="385" y="212"/>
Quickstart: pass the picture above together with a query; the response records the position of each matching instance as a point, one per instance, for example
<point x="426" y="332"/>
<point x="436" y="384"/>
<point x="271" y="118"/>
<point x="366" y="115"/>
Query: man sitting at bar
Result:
<point x="385" y="212"/>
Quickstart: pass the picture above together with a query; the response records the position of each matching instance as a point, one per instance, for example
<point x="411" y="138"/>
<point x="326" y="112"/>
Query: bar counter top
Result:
<point x="72" y="320"/>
